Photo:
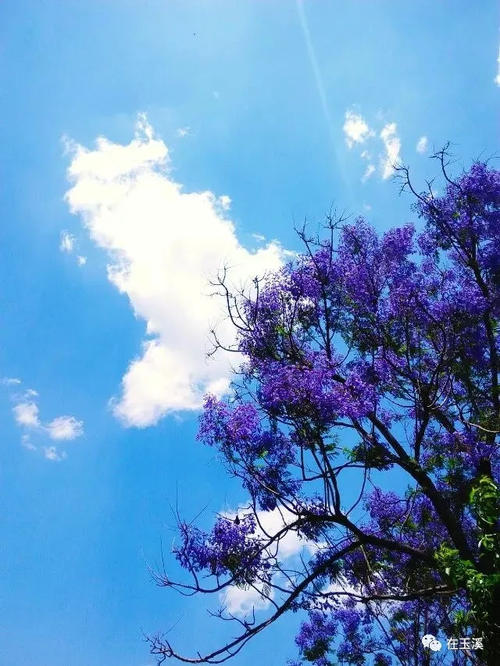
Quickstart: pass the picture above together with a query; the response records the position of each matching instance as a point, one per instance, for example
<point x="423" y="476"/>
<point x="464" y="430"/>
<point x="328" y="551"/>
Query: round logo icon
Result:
<point x="431" y="642"/>
<point x="435" y="645"/>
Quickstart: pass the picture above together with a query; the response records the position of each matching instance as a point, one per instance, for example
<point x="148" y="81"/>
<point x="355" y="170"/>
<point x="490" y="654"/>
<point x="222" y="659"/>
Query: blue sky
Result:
<point x="222" y="124"/>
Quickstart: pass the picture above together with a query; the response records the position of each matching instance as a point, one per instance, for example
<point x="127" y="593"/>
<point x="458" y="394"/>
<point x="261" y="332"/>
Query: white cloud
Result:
<point x="422" y="145"/>
<point x="497" y="77"/>
<point x="52" y="453"/>
<point x="67" y="243"/>
<point x="291" y="544"/>
<point x="241" y="601"/>
<point x="356" y="129"/>
<point x="64" y="427"/>
<point x="392" y="145"/>
<point x="164" y="245"/>
<point x="81" y="260"/>
<point x="370" y="170"/>
<point x="26" y="414"/>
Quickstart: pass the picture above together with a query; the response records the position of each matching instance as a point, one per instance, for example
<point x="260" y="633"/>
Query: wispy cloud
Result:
<point x="422" y="145"/>
<point x="10" y="381"/>
<point x="370" y="170"/>
<point x="392" y="144"/>
<point x="497" y="77"/>
<point x="52" y="453"/>
<point x="164" y="245"/>
<point x="183" y="131"/>
<point x="316" y="70"/>
<point x="67" y="242"/>
<point x="26" y="442"/>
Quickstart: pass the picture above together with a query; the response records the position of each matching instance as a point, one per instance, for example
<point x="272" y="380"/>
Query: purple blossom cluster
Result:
<point x="315" y="637"/>
<point x="231" y="548"/>
<point x="368" y="353"/>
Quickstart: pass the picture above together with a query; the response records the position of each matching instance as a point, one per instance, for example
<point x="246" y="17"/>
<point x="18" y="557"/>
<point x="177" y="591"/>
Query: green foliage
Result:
<point x="485" y="500"/>
<point x="483" y="586"/>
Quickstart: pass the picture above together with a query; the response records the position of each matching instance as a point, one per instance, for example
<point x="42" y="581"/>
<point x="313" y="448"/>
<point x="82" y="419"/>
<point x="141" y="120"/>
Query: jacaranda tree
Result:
<point x="366" y="412"/>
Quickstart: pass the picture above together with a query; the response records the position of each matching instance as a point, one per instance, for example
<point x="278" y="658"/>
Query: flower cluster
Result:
<point x="231" y="548"/>
<point x="370" y="353"/>
<point x="315" y="637"/>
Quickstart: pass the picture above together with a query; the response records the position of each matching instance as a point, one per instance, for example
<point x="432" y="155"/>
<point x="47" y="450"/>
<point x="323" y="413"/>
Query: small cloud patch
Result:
<point x="51" y="453"/>
<point x="370" y="170"/>
<point x="358" y="132"/>
<point x="26" y="414"/>
<point x="67" y="242"/>
<point x="64" y="428"/>
<point x="423" y="145"/>
<point x="183" y="131"/>
<point x="356" y="129"/>
<point x="10" y="381"/>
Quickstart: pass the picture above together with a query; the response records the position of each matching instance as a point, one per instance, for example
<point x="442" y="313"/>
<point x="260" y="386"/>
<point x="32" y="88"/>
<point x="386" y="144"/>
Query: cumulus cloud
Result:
<point x="423" y="145"/>
<point x="27" y="415"/>
<point x="163" y="245"/>
<point x="67" y="243"/>
<point x="356" y="129"/>
<point x="64" y="427"/>
<point x="392" y="145"/>
<point x="81" y="260"/>
<point x="497" y="77"/>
